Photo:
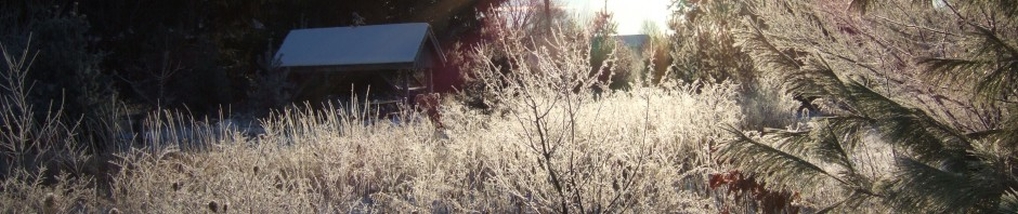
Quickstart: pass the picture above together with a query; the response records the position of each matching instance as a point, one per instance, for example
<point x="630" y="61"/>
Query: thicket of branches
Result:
<point x="704" y="49"/>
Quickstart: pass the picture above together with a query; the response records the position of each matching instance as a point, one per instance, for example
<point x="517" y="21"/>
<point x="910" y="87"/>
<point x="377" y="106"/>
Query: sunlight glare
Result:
<point x="629" y="14"/>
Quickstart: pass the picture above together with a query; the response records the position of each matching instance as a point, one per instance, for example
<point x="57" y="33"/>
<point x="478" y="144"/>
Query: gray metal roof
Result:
<point x="636" y="42"/>
<point x="391" y="46"/>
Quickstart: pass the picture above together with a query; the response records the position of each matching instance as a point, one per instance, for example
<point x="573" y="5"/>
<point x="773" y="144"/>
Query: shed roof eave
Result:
<point x="351" y="68"/>
<point x="370" y="44"/>
<point x="434" y="42"/>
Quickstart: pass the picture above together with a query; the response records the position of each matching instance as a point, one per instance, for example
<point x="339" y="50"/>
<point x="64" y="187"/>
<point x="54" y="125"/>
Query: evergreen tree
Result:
<point x="876" y="147"/>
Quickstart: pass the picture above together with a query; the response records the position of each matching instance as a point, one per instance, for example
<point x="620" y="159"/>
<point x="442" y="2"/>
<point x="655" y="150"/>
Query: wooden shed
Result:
<point x="388" y="58"/>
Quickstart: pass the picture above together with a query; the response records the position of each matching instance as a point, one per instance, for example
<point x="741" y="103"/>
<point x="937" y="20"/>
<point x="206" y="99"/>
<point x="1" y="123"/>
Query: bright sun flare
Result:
<point x="629" y="14"/>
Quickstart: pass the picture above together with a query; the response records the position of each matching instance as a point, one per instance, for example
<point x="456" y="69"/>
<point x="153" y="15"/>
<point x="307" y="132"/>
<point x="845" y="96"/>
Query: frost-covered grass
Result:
<point x="546" y="146"/>
<point x="646" y="149"/>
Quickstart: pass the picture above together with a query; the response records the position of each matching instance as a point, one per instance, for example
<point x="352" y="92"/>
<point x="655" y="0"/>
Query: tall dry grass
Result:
<point x="654" y="140"/>
<point x="42" y="163"/>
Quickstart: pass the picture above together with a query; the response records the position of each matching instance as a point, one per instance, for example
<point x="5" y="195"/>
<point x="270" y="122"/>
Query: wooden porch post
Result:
<point x="430" y="72"/>
<point x="406" y="86"/>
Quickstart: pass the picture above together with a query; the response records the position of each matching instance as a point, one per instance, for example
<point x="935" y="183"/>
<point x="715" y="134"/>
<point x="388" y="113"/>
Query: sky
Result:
<point x="629" y="14"/>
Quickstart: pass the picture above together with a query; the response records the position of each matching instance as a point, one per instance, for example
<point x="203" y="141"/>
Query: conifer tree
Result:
<point x="876" y="146"/>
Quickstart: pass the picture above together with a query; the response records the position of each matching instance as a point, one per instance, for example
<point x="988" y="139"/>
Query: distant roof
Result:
<point x="391" y="46"/>
<point x="636" y="42"/>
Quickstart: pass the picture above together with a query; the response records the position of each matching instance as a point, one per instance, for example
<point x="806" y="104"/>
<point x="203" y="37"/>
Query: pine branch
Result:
<point x="944" y="67"/>
<point x="1000" y="83"/>
<point x="820" y="143"/>
<point x="862" y="6"/>
<point x="852" y="126"/>
<point x="856" y="196"/>
<point x="985" y="135"/>
<point x="908" y="128"/>
<point x="993" y="43"/>
<point x="994" y="63"/>
<point x="1008" y="202"/>
<point x="923" y="188"/>
<point x="818" y="78"/>
<point x="765" y="53"/>
<point x="772" y="164"/>
<point x="832" y="140"/>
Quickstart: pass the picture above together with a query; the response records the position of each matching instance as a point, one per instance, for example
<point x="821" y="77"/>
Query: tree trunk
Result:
<point x="547" y="14"/>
